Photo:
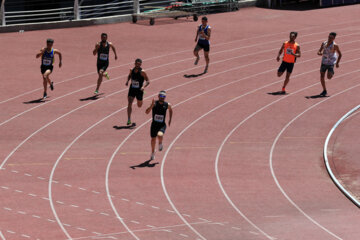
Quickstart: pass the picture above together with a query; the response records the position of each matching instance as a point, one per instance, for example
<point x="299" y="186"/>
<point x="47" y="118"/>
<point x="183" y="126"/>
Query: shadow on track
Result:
<point x="92" y="98"/>
<point x="194" y="75"/>
<point x="40" y="100"/>
<point x="316" y="96"/>
<point x="144" y="164"/>
<point x="278" y="93"/>
<point x="132" y="126"/>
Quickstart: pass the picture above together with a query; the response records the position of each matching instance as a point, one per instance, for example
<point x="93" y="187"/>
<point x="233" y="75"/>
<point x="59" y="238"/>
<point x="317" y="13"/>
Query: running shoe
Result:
<point x="161" y="147"/>
<point x="152" y="156"/>
<point x="323" y="93"/>
<point x="45" y="95"/>
<point x="197" y="61"/>
<point x="107" y="76"/>
<point x="96" y="92"/>
<point x="128" y="122"/>
<point x="52" y="86"/>
<point x="283" y="91"/>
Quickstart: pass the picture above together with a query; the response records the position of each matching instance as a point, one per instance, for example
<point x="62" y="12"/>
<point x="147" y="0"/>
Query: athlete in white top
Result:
<point x="331" y="56"/>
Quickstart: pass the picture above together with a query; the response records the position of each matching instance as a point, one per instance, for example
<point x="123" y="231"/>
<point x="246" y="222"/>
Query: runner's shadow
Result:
<point x="92" y="98"/>
<point x="144" y="164"/>
<point x="316" y="96"/>
<point x="277" y="93"/>
<point x="40" y="100"/>
<point x="194" y="75"/>
<point x="132" y="126"/>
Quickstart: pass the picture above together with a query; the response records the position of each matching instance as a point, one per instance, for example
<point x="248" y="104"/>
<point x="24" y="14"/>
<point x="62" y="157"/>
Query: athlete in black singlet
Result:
<point x="102" y="49"/>
<point x="158" y="125"/>
<point x="137" y="76"/>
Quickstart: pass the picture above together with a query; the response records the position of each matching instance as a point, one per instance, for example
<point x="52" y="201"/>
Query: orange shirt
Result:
<point x="288" y="49"/>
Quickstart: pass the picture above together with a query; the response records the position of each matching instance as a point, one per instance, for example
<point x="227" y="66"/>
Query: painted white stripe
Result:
<point x="328" y="167"/>
<point x="2" y="237"/>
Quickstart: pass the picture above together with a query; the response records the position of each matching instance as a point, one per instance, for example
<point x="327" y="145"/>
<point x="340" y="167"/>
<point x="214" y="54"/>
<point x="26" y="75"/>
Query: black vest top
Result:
<point x="103" y="52"/>
<point x="137" y="80"/>
<point x="159" y="112"/>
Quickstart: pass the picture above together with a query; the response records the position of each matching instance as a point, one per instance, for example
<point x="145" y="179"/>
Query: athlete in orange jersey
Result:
<point x="291" y="52"/>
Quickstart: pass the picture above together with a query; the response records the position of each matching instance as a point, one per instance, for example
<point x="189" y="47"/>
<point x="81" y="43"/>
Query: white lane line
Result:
<point x="60" y="202"/>
<point x="4" y="187"/>
<point x="81" y="229"/>
<point x="12" y="232"/>
<point x="133" y="132"/>
<point x="25" y="236"/>
<point x="19" y="191"/>
<point x="105" y="214"/>
<point x="41" y="178"/>
<point x="28" y="175"/>
<point x="136" y="222"/>
<point x="32" y="195"/>
<point x="50" y="220"/>
<point x="139" y="203"/>
<point x="8" y="209"/>
<point x="45" y="198"/>
<point x="203" y="219"/>
<point x="67" y="185"/>
<point x="183" y="235"/>
<point x="155" y="207"/>
<point x="67" y="225"/>
<point x="2" y="237"/>
<point x="150" y="226"/>
<point x="124" y="199"/>
<point x="271" y="160"/>
<point x="342" y="188"/>
<point x="89" y="210"/>
<point x="183" y="51"/>
<point x="83" y="189"/>
<point x="170" y="211"/>
<point x="186" y="215"/>
<point x="74" y="206"/>
<point x="96" y="192"/>
<point x="21" y="212"/>
<point x="36" y="216"/>
<point x="14" y="171"/>
<point x="236" y="228"/>
<point x="228" y="136"/>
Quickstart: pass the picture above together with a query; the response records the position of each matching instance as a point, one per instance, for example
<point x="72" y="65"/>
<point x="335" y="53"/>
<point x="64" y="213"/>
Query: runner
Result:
<point x="291" y="52"/>
<point x="331" y="55"/>
<point x="137" y="76"/>
<point x="203" y="33"/>
<point x="158" y="125"/>
<point x="47" y="55"/>
<point x="102" y="49"/>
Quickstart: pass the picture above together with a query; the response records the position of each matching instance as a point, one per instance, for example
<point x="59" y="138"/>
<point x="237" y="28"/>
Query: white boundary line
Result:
<point x="328" y="167"/>
<point x="2" y="236"/>
<point x="174" y="53"/>
<point x="108" y="193"/>
<point x="271" y="161"/>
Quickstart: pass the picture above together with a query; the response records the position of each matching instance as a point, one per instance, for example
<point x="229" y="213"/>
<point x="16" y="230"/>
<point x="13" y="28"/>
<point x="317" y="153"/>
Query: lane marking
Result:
<point x="2" y="236"/>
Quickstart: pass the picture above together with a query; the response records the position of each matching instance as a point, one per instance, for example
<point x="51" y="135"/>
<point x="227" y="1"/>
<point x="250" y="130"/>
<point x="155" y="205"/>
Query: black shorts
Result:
<point x="329" y="68"/>
<point x="136" y="92"/>
<point x="102" y="65"/>
<point x="44" y="68"/>
<point x="286" y="66"/>
<point x="156" y="127"/>
<point x="200" y="46"/>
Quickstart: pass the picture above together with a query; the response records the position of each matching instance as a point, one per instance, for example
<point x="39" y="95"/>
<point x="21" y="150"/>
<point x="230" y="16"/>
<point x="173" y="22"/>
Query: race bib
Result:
<point x="289" y="51"/>
<point x="103" y="56"/>
<point x="47" y="61"/>
<point x="159" y="118"/>
<point x="135" y="84"/>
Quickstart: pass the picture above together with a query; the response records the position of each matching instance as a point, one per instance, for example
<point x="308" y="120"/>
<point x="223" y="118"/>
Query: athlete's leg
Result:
<point x="196" y="54"/>
<point x="46" y="79"/>
<point x="101" y="71"/>
<point x="207" y="59"/>
<point x="153" y="143"/>
<point x="160" y="139"/>
<point x="330" y="73"/>
<point x="129" y="108"/>
<point x="139" y="103"/>
<point x="279" y="74"/>
<point x="287" y="79"/>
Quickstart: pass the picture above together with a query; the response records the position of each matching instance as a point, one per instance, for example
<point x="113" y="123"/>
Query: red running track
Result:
<point x="238" y="163"/>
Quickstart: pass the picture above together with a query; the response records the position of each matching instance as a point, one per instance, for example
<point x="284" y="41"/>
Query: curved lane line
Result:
<point x="328" y="167"/>
<point x="2" y="236"/>
<point x="271" y="160"/>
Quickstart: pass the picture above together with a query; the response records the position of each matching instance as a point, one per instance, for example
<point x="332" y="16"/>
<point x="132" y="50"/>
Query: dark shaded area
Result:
<point x="278" y="93"/>
<point x="144" y="164"/>
<point x="133" y="125"/>
<point x="91" y="98"/>
<point x="193" y="75"/>
<point x="40" y="100"/>
<point x="317" y="96"/>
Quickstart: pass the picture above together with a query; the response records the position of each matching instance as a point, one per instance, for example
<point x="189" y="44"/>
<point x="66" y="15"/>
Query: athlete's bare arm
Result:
<point x="207" y="37"/>
<point x="144" y="75"/>
<point x="128" y="78"/>
<point x="60" y="56"/>
<point x="197" y="34"/>
<point x="337" y="49"/>
<point x="280" y="52"/>
<point x="147" y="111"/>
<point x="170" y="113"/>
<point x="298" y="52"/>
<point x="320" y="52"/>
<point x="40" y="53"/>
<point x="114" y="50"/>
<point x="97" y="45"/>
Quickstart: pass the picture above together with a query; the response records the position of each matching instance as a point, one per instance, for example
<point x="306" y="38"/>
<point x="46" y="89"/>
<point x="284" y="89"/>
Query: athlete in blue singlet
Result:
<point x="102" y="49"/>
<point x="331" y="56"/>
<point x="203" y="33"/>
<point x="47" y="59"/>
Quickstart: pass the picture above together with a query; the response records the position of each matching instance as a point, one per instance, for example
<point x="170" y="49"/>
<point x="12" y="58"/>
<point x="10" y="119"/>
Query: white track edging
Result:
<point x="328" y="168"/>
